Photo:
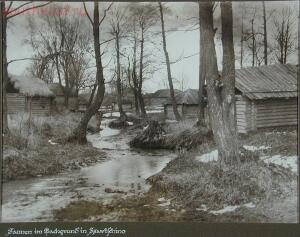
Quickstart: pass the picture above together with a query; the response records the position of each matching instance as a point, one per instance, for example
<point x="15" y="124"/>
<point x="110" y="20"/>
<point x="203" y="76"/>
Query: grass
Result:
<point x="29" y="153"/>
<point x="194" y="183"/>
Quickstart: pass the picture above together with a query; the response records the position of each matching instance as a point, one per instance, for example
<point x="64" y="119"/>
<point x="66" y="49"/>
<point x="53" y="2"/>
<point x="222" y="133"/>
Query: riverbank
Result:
<point x="193" y="187"/>
<point x="35" y="148"/>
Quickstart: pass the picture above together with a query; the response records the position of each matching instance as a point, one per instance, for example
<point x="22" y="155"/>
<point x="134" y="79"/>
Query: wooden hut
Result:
<point x="187" y="105"/>
<point x="59" y="100"/>
<point x="27" y="94"/>
<point x="160" y="97"/>
<point x="266" y="97"/>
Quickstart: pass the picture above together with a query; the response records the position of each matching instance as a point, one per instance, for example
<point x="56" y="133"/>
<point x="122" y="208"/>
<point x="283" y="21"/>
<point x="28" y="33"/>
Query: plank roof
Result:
<point x="268" y="81"/>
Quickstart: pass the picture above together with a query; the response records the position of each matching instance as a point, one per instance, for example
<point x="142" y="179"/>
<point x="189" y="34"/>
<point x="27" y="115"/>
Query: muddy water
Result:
<point x="123" y="174"/>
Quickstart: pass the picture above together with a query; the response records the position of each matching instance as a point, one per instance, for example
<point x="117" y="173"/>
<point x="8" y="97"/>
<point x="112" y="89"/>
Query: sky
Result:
<point x="180" y="43"/>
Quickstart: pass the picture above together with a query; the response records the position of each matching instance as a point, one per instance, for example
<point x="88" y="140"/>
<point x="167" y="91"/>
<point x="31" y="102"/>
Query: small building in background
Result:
<point x="266" y="97"/>
<point x="160" y="97"/>
<point x="187" y="105"/>
<point x="28" y="95"/>
<point x="83" y="100"/>
<point x="59" y="100"/>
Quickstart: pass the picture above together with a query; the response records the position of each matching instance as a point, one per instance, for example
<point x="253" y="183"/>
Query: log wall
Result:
<point x="276" y="112"/>
<point x="15" y="103"/>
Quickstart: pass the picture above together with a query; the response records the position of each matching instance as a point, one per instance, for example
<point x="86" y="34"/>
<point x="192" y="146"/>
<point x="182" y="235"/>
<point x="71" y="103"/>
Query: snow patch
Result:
<point x="170" y="121"/>
<point x="52" y="143"/>
<point x="290" y="162"/>
<point x="113" y="114"/>
<point x="202" y="208"/>
<point x="225" y="210"/>
<point x="154" y="111"/>
<point x="249" y="205"/>
<point x="208" y="157"/>
<point x="255" y="148"/>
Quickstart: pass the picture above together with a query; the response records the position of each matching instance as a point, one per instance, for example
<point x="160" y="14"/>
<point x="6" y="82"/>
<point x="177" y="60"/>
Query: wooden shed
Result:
<point x="27" y="94"/>
<point x="266" y="97"/>
<point x="160" y="97"/>
<point x="59" y="100"/>
<point x="187" y="105"/>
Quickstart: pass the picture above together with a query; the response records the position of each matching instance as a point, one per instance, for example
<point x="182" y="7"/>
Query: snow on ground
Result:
<point x="208" y="157"/>
<point x="255" y="148"/>
<point x="154" y="111"/>
<point x="290" y="162"/>
<point x="171" y="121"/>
<point x="232" y="208"/>
<point x="202" y="208"/>
<point x="113" y="114"/>
<point x="52" y="143"/>
<point x="164" y="202"/>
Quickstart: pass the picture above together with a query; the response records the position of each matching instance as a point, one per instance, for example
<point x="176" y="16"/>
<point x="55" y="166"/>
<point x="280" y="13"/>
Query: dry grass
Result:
<point x="195" y="183"/>
<point x="29" y="153"/>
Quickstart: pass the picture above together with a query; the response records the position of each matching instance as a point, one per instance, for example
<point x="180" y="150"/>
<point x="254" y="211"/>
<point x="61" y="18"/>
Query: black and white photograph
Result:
<point x="150" y="111"/>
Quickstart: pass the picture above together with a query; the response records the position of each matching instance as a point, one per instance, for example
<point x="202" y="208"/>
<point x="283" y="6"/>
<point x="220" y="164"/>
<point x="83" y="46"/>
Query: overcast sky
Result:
<point x="180" y="43"/>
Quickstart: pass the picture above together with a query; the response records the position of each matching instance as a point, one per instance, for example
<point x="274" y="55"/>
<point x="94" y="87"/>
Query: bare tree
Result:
<point x="172" y="94"/>
<point x="64" y="36"/>
<point x="145" y="16"/>
<point x="118" y="29"/>
<point x="284" y="35"/>
<point x="220" y="89"/>
<point x="9" y="13"/>
<point x="79" y="133"/>
<point x="265" y="34"/>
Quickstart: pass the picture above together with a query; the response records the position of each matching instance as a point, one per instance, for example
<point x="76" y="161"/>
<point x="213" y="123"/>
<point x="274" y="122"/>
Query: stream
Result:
<point x="124" y="173"/>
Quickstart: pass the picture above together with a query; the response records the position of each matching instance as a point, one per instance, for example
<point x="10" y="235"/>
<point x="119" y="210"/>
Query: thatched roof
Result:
<point x="271" y="81"/>
<point x="58" y="90"/>
<point x="30" y="86"/>
<point x="164" y="93"/>
<point x="188" y="97"/>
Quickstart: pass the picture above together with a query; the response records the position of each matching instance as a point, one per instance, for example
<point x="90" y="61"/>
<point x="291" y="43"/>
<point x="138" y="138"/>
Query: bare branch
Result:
<point x="86" y="12"/>
<point x="28" y="9"/>
<point x="105" y="11"/>
<point x="17" y="8"/>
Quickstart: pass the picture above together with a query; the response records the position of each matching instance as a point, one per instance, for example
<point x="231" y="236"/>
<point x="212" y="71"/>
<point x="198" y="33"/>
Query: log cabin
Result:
<point x="28" y="95"/>
<point x="187" y="105"/>
<point x="59" y="100"/>
<point x="160" y="97"/>
<point x="266" y="96"/>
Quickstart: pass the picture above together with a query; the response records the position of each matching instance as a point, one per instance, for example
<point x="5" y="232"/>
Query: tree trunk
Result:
<point x="119" y="90"/>
<point x="242" y="42"/>
<point x="172" y="94"/>
<point x="220" y="91"/>
<point x="253" y="43"/>
<point x="79" y="134"/>
<point x="140" y="94"/>
<point x="265" y="34"/>
<point x="201" y="116"/>
<point x="5" y="129"/>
